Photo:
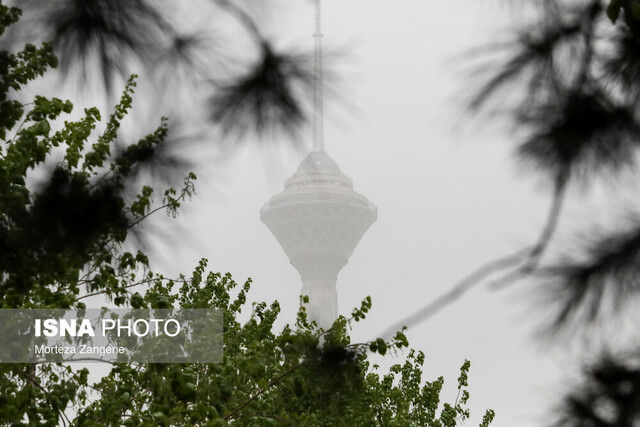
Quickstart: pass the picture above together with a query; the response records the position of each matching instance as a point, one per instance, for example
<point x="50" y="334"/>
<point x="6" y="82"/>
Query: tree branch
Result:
<point x="185" y="192"/>
<point x="233" y="413"/>
<point x="34" y="382"/>
<point x="541" y="246"/>
<point x="525" y="261"/>
<point x="243" y="17"/>
<point x="457" y="291"/>
<point x="142" y="282"/>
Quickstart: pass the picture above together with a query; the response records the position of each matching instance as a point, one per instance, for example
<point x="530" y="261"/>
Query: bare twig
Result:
<point x="524" y="261"/>
<point x="243" y="17"/>
<point x="541" y="246"/>
<point x="234" y="413"/>
<point x="458" y="290"/>
<point x="89" y="359"/>
<point x="142" y="282"/>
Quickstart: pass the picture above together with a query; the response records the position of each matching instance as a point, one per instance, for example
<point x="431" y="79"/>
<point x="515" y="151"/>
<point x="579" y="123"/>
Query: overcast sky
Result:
<point x="449" y="198"/>
<point x="449" y="195"/>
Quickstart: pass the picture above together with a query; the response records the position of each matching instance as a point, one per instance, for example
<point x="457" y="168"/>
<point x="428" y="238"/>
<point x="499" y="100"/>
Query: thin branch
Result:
<point x="19" y="128"/>
<point x="183" y="195"/>
<point x="88" y="359"/>
<point x="458" y="397"/>
<point x="552" y="222"/>
<point x="458" y="290"/>
<point x="270" y="417"/>
<point x="541" y="246"/>
<point x="86" y="279"/>
<point x="101" y="179"/>
<point x="142" y="282"/>
<point x="33" y="381"/>
<point x="233" y="413"/>
<point x="525" y="261"/>
<point x="107" y="290"/>
<point x="588" y="34"/>
<point x="244" y="18"/>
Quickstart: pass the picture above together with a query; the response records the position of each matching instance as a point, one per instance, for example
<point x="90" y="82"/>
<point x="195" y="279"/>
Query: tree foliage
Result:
<point x="63" y="241"/>
<point x="103" y="40"/>
<point x="573" y="74"/>
<point x="300" y="375"/>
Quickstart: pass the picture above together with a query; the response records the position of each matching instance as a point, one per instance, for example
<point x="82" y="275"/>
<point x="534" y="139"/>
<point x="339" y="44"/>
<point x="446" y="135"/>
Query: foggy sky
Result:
<point x="449" y="197"/>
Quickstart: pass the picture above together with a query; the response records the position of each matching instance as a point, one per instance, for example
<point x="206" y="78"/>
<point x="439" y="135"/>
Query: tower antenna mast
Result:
<point x="318" y="90"/>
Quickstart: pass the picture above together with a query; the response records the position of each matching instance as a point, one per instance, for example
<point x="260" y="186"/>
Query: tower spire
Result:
<point x="318" y="102"/>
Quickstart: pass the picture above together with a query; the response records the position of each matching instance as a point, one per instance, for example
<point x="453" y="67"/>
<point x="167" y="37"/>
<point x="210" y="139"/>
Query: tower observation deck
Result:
<point x="319" y="218"/>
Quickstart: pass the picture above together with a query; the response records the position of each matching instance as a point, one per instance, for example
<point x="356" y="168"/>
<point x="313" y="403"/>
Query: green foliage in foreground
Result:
<point x="269" y="377"/>
<point x="63" y="242"/>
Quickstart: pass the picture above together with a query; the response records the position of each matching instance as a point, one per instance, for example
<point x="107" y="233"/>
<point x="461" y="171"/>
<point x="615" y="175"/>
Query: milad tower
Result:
<point x="319" y="219"/>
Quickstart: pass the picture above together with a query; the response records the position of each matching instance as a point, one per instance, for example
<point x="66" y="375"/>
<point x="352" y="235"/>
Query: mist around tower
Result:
<point x="224" y="212"/>
<point x="96" y="327"/>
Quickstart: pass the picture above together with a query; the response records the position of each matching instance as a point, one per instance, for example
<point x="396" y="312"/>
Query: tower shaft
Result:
<point x="323" y="305"/>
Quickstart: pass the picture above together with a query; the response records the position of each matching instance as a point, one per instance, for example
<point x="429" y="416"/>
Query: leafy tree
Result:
<point x="299" y="376"/>
<point x="64" y="241"/>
